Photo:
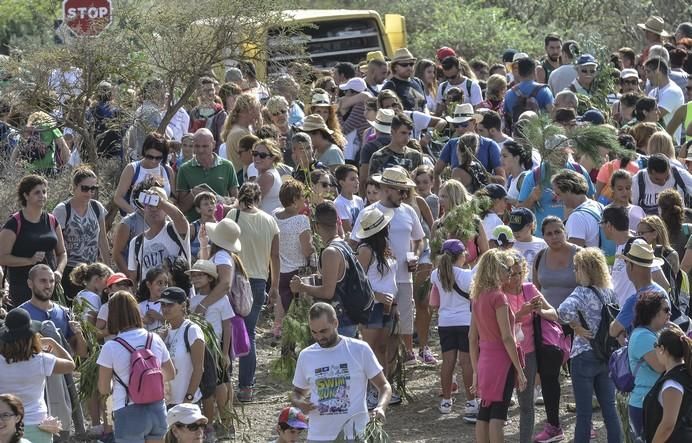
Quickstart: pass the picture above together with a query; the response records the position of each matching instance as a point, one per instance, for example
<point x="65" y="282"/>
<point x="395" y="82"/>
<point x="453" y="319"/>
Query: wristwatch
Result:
<point x="189" y="397"/>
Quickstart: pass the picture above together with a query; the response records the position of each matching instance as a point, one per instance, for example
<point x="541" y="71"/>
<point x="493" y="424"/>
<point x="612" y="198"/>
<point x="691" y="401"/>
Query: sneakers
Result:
<point x="445" y="406"/>
<point x="209" y="434"/>
<point x="372" y="398"/>
<point x="410" y="359"/>
<point x="550" y="434"/>
<point x="427" y="357"/>
<point x="471" y="411"/>
<point x="538" y="396"/>
<point x="395" y="400"/>
<point x="245" y="395"/>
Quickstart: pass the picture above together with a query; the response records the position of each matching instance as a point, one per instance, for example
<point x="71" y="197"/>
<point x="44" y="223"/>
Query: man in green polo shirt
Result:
<point x="206" y="168"/>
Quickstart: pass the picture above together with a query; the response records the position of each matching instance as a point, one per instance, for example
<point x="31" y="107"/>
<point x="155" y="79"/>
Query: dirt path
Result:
<point x="419" y="421"/>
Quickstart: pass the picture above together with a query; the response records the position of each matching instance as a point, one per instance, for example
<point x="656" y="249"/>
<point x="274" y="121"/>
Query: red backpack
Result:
<point x="146" y="377"/>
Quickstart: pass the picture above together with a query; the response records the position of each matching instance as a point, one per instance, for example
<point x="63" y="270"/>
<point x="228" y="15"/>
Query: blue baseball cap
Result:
<point x="593" y="116"/>
<point x="587" y="59"/>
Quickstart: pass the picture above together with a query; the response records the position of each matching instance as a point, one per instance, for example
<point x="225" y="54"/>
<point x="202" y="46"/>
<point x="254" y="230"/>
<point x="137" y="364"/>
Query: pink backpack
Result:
<point x="146" y="378"/>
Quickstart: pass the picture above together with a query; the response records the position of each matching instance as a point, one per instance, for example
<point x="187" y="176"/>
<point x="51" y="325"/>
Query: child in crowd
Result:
<point x="149" y="293"/>
<point x="372" y="192"/>
<point x="186" y="150"/>
<point x="292" y="422"/>
<point x="423" y="176"/>
<point x="621" y="184"/>
<point x="203" y="275"/>
<point x="93" y="279"/>
<point x="522" y="222"/>
<point x="114" y="283"/>
<point x="492" y="216"/>
<point x="348" y="203"/>
<point x="450" y="295"/>
<point x="205" y="205"/>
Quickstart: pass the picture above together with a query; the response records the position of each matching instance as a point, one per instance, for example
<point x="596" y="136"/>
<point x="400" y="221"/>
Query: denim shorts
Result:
<point x="378" y="319"/>
<point x="136" y="423"/>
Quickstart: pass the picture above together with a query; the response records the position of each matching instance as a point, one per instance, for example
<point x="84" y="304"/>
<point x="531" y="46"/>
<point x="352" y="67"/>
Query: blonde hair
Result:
<point x="657" y="224"/>
<point x="276" y="103"/>
<point x="661" y="143"/>
<point x="244" y="103"/>
<point x="456" y="193"/>
<point x="591" y="265"/>
<point x="272" y="147"/>
<point x="496" y="86"/>
<point x="489" y="271"/>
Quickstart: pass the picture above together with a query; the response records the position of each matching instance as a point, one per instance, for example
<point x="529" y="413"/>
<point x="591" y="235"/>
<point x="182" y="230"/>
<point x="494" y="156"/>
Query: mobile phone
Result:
<point x="147" y="199"/>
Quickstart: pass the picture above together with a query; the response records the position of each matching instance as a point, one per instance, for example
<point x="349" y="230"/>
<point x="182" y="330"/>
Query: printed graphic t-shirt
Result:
<point x="337" y="379"/>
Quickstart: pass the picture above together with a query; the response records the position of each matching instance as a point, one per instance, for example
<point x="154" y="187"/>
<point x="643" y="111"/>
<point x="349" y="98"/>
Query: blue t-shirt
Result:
<point x="626" y="315"/>
<point x="641" y="343"/>
<point x="59" y="315"/>
<point x="549" y="204"/>
<point x="488" y="153"/>
<point x="544" y="96"/>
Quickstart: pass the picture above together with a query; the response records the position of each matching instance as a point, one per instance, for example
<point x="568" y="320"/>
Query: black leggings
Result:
<point x="549" y="364"/>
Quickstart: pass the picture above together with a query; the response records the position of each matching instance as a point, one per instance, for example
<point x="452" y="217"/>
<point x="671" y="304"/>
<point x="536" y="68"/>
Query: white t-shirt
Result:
<point x="404" y="227"/>
<point x="490" y="222"/>
<point x="290" y="251"/>
<point x="147" y="306"/>
<point x="348" y="209"/>
<point x="115" y="356"/>
<point x="455" y="310"/>
<point x="582" y="225"/>
<point x="562" y="77"/>
<point x="622" y="285"/>
<point x="27" y="380"/>
<point x="475" y="89"/>
<point x="652" y="190"/>
<point x="669" y="97"/>
<point x="669" y="384"/>
<point x="216" y="314"/>
<point x="635" y="214"/>
<point x="384" y="283"/>
<point x="529" y="250"/>
<point x="155" y="250"/>
<point x="92" y="300"/>
<point x="103" y="315"/>
<point x="337" y="379"/>
<point x="182" y="360"/>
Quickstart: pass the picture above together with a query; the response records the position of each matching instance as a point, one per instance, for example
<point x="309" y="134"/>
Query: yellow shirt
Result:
<point x="256" y="234"/>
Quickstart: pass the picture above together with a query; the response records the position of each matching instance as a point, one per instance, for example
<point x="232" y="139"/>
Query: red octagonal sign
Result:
<point x="87" y="17"/>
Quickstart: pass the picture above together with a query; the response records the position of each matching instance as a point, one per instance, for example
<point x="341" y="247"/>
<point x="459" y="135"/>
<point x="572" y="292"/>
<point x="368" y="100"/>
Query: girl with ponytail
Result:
<point x="668" y="406"/>
<point x="93" y="279"/>
<point x="517" y="161"/>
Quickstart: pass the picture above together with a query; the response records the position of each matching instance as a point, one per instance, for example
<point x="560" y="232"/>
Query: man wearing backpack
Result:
<point x="470" y="89"/>
<point x="527" y="94"/>
<point x="658" y="176"/>
<point x="639" y="260"/>
<point x="166" y="238"/>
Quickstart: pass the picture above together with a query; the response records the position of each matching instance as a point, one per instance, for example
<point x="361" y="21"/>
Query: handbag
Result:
<point x="548" y="335"/>
<point x="240" y="339"/>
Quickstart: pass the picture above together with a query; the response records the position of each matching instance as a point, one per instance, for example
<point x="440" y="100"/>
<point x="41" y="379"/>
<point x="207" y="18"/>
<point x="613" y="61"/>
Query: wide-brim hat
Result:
<point x="18" y="324"/>
<point x="320" y="99"/>
<point x="463" y="112"/>
<point x="383" y="121"/>
<point x="654" y="24"/>
<point x="403" y="55"/>
<point x="314" y="122"/>
<point x="204" y="266"/>
<point x="395" y="177"/>
<point x="373" y="221"/>
<point x="640" y="253"/>
<point x="374" y="55"/>
<point x="224" y="234"/>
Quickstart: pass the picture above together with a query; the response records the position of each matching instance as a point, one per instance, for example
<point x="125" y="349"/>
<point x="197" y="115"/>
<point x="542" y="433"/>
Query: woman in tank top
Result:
<point x="265" y="155"/>
<point x="153" y="164"/>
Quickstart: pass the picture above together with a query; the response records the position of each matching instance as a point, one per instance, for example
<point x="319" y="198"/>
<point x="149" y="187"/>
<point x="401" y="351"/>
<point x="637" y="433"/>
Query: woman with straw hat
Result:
<point x="326" y="149"/>
<point x="379" y="263"/>
<point x="322" y="105"/>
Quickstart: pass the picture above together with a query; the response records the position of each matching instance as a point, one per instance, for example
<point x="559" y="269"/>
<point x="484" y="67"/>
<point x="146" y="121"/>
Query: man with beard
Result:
<point x="407" y="87"/>
<point x="40" y="307"/>
<point x="331" y="379"/>
<point x="551" y="61"/>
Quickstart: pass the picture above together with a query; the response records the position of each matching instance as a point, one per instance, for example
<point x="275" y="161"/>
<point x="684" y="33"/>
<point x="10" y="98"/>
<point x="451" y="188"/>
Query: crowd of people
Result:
<point x="399" y="195"/>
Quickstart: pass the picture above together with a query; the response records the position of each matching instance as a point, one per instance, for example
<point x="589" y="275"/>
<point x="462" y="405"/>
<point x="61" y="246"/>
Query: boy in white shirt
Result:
<point x="348" y="203"/>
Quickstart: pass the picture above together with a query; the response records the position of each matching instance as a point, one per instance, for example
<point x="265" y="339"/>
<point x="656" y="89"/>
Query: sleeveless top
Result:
<point x="557" y="284"/>
<point x="270" y="202"/>
<point x="158" y="171"/>
<point x="385" y="283"/>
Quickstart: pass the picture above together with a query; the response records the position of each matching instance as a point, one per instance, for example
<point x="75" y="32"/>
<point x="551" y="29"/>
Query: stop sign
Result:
<point x="87" y="17"/>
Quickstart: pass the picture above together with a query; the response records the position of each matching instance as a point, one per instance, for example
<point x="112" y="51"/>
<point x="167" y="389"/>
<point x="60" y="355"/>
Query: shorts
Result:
<point x="33" y="434"/>
<point x="137" y="423"/>
<point x="454" y="338"/>
<point x="497" y="410"/>
<point x="378" y="319"/>
<point x="347" y="330"/>
<point x="406" y="308"/>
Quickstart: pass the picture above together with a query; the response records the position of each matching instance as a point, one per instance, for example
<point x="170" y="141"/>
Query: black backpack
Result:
<point x="602" y="343"/>
<point x="172" y="233"/>
<point x="68" y="210"/>
<point x="354" y="296"/>
<point x="678" y="182"/>
<point x="207" y="385"/>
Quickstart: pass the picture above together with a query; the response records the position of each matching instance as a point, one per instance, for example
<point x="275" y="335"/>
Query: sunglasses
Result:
<point x="406" y="65"/>
<point x="462" y="125"/>
<point x="192" y="426"/>
<point x="588" y="71"/>
<point x="283" y="111"/>
<point x="261" y="155"/>
<point x="157" y="158"/>
<point x="86" y="188"/>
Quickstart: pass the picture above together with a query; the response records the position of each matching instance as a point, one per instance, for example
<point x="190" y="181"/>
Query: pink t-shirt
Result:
<point x="484" y="307"/>
<point x="607" y="170"/>
<point x="516" y="301"/>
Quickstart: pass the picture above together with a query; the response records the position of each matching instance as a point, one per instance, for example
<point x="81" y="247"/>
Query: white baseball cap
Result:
<point x="354" y="84"/>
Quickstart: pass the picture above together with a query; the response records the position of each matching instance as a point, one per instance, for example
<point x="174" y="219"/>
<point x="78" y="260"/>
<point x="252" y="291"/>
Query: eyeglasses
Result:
<point x="406" y="65"/>
<point x="157" y="158"/>
<point x="640" y="233"/>
<point x="261" y="155"/>
<point x="277" y="113"/>
<point x="86" y="188"/>
<point x="588" y="71"/>
<point x="6" y="416"/>
<point x="192" y="426"/>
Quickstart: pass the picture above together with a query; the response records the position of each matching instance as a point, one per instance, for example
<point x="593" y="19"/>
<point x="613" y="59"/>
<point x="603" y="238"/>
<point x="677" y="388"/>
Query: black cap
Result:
<point x="173" y="294"/>
<point x="495" y="191"/>
<point x="18" y="324"/>
<point x="519" y="218"/>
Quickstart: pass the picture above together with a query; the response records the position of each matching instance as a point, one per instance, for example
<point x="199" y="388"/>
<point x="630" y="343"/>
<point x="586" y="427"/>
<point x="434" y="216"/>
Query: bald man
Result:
<point x="206" y="171"/>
